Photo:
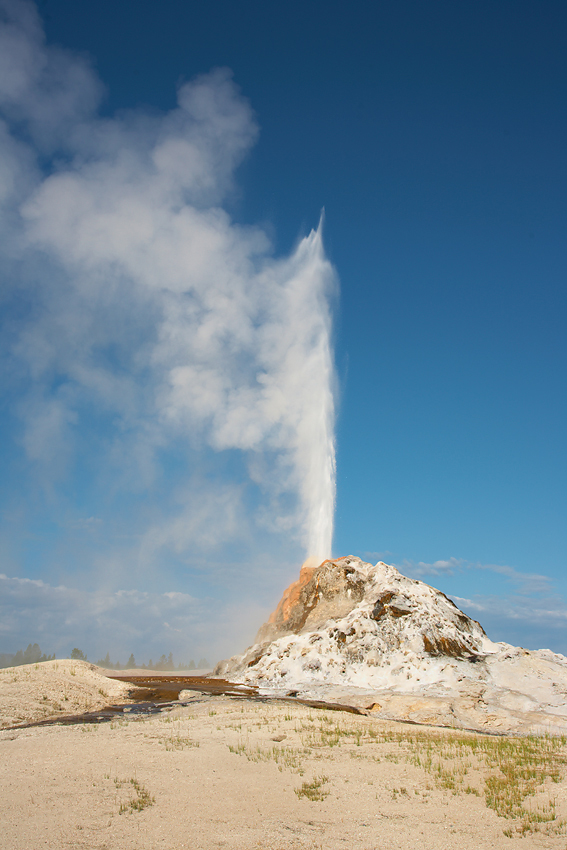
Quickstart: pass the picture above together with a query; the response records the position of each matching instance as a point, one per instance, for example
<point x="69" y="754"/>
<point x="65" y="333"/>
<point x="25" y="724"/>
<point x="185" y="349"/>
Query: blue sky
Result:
<point x="434" y="136"/>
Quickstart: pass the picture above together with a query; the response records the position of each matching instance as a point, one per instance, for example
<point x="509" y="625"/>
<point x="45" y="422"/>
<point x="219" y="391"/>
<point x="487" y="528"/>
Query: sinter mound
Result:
<point x="367" y="636"/>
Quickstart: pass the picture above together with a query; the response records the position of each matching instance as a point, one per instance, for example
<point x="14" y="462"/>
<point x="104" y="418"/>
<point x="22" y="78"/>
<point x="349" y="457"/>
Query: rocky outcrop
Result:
<point x="330" y="589"/>
<point x="367" y="636"/>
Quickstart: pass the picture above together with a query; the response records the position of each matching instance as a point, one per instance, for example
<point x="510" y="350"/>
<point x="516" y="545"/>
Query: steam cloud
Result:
<point x="140" y="312"/>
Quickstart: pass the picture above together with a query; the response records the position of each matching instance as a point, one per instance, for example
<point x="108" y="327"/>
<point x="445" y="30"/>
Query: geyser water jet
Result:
<point x="316" y="426"/>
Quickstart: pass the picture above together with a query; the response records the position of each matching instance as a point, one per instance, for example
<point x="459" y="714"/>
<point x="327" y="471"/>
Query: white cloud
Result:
<point x="207" y="519"/>
<point x="120" y="622"/>
<point x="88" y="523"/>
<point x="437" y="568"/>
<point x="172" y="379"/>
<point x="529" y="612"/>
<point x="48" y="433"/>
<point x="547" y="611"/>
<point x="151" y="313"/>
<point x="528" y="583"/>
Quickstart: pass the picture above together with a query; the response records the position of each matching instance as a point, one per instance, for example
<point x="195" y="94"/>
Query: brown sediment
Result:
<point x="165" y="687"/>
<point x="441" y="645"/>
<point x="149" y="695"/>
<point x="161" y="693"/>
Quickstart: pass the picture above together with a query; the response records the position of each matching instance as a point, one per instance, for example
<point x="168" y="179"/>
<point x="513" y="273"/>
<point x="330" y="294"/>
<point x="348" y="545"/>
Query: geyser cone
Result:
<point x="367" y="636"/>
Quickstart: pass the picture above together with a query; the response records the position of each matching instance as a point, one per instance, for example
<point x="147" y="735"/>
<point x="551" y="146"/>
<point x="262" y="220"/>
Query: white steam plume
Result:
<point x="147" y="305"/>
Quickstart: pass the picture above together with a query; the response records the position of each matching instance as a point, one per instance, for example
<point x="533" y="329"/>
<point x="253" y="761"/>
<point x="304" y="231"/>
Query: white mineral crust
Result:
<point x="367" y="636"/>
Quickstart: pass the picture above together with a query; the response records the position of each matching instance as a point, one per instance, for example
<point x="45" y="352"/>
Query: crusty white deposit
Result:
<point x="376" y="639"/>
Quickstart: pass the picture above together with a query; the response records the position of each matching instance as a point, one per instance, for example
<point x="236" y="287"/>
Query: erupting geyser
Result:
<point x="313" y="394"/>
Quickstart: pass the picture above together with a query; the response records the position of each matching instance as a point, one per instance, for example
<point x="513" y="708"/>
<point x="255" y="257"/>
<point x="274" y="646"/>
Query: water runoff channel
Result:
<point x="154" y="694"/>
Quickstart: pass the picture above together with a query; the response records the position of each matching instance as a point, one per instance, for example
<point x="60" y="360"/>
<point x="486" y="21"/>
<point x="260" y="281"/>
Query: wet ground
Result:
<point x="161" y="693"/>
<point x="165" y="687"/>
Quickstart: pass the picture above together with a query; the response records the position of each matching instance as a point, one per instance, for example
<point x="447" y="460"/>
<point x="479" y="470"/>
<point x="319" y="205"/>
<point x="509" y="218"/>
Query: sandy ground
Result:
<point x="36" y="691"/>
<point x="221" y="772"/>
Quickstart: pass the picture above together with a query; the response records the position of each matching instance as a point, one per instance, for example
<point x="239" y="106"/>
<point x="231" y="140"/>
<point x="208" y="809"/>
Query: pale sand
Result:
<point x="36" y="691"/>
<point x="63" y="787"/>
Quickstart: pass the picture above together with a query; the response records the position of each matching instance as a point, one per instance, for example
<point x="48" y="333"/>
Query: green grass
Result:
<point x="141" y="801"/>
<point x="288" y="757"/>
<point x="512" y="774"/>
<point x="178" y="742"/>
<point x="313" y="790"/>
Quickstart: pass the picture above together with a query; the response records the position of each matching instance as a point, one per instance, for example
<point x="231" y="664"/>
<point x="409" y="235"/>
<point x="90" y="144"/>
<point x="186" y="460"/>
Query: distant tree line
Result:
<point x="31" y="655"/>
<point x="163" y="663"/>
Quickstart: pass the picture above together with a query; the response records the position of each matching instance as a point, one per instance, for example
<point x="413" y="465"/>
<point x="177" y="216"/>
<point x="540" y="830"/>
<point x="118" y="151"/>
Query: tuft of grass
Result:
<point x="313" y="790"/>
<point x="141" y="801"/>
<point x="178" y="742"/>
<point x="288" y="757"/>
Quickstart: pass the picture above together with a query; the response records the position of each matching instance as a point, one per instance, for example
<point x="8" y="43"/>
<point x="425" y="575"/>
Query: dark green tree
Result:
<point x="45" y="657"/>
<point x="32" y="654"/>
<point x="78" y="654"/>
